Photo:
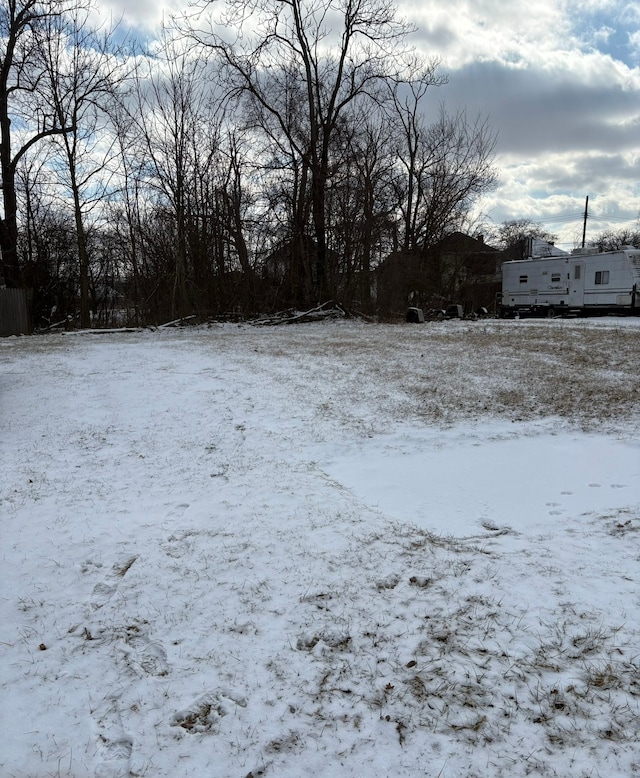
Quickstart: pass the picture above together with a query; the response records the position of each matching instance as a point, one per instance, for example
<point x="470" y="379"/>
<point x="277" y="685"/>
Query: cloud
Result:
<point x="463" y="31"/>
<point x="536" y="111"/>
<point x="552" y="189"/>
<point x="142" y="17"/>
<point x="560" y="83"/>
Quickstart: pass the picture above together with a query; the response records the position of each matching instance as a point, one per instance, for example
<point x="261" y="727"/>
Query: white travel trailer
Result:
<point x="585" y="282"/>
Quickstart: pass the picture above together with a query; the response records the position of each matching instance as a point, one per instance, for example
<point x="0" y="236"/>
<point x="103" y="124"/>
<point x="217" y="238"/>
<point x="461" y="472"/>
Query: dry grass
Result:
<point x="582" y="371"/>
<point x="467" y="666"/>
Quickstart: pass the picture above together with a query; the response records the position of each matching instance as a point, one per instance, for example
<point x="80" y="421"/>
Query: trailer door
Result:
<point x="576" y="284"/>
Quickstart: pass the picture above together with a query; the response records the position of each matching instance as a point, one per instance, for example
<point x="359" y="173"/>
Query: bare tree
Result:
<point x="23" y="26"/>
<point x="415" y="155"/>
<point x="125" y="211"/>
<point x="462" y="169"/>
<point x="237" y="204"/>
<point x="194" y="176"/>
<point x="611" y="240"/>
<point x="82" y="73"/>
<point x="45" y="242"/>
<point x="513" y="235"/>
<point x="446" y="166"/>
<point x="280" y="155"/>
<point x="172" y="102"/>
<point x="337" y="50"/>
<point x="362" y="206"/>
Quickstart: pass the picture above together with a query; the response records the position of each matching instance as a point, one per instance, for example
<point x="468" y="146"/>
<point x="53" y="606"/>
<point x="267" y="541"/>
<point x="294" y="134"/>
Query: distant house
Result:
<point x="458" y="269"/>
<point x="402" y="280"/>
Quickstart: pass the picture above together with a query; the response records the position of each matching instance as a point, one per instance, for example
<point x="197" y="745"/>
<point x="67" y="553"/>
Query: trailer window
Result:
<point x="555" y="278"/>
<point x="602" y="276"/>
<point x="524" y="279"/>
<point x="576" y="272"/>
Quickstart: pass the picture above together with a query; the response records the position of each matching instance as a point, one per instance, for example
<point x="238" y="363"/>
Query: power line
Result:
<point x="565" y="218"/>
<point x="592" y="217"/>
<point x="614" y="218"/>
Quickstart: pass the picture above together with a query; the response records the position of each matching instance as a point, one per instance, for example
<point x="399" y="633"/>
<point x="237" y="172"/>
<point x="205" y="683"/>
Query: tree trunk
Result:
<point x="9" y="223"/>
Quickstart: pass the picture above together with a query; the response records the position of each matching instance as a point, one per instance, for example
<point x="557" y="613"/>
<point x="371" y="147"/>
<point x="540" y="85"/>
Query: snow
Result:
<point x="412" y="475"/>
<point x="334" y="549"/>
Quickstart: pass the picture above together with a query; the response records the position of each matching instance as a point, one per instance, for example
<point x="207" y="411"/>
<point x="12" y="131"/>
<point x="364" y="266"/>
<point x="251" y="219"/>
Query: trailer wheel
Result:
<point x="551" y="313"/>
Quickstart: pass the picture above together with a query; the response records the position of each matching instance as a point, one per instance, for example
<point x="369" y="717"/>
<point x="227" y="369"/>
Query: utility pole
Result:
<point x="584" y="225"/>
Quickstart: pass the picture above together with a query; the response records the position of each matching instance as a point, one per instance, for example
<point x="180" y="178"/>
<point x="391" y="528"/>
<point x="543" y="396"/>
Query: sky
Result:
<point x="559" y="81"/>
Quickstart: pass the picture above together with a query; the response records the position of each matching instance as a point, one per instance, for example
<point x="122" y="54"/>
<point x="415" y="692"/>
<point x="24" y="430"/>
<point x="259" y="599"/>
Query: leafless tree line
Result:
<point x="265" y="158"/>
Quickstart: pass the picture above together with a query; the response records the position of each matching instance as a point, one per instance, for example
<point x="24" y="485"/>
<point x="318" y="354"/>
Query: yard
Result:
<point x="334" y="549"/>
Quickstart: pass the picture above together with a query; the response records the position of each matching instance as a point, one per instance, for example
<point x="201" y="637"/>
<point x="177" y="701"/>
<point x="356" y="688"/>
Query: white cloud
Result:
<point x="142" y="16"/>
<point x="560" y="83"/>
<point x="489" y="30"/>
<point x="634" y="45"/>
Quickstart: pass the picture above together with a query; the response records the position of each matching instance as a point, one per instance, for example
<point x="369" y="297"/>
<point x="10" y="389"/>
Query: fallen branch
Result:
<point x="105" y="331"/>
<point x="176" y="322"/>
<point x="57" y="324"/>
<point x="290" y="316"/>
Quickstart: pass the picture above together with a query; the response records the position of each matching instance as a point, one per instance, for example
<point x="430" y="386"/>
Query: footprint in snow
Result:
<point x="103" y="592"/>
<point x="496" y="529"/>
<point x="90" y="566"/>
<point x="113" y="746"/>
<point x="144" y="656"/>
<point x="117" y="757"/>
<point x="207" y="711"/>
<point x="177" y="511"/>
<point x="101" y="595"/>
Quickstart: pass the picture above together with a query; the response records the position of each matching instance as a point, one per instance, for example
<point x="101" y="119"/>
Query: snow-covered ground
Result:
<point x="335" y="549"/>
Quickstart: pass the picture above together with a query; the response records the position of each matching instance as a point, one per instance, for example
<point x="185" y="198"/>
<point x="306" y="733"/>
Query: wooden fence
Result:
<point x="14" y="312"/>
